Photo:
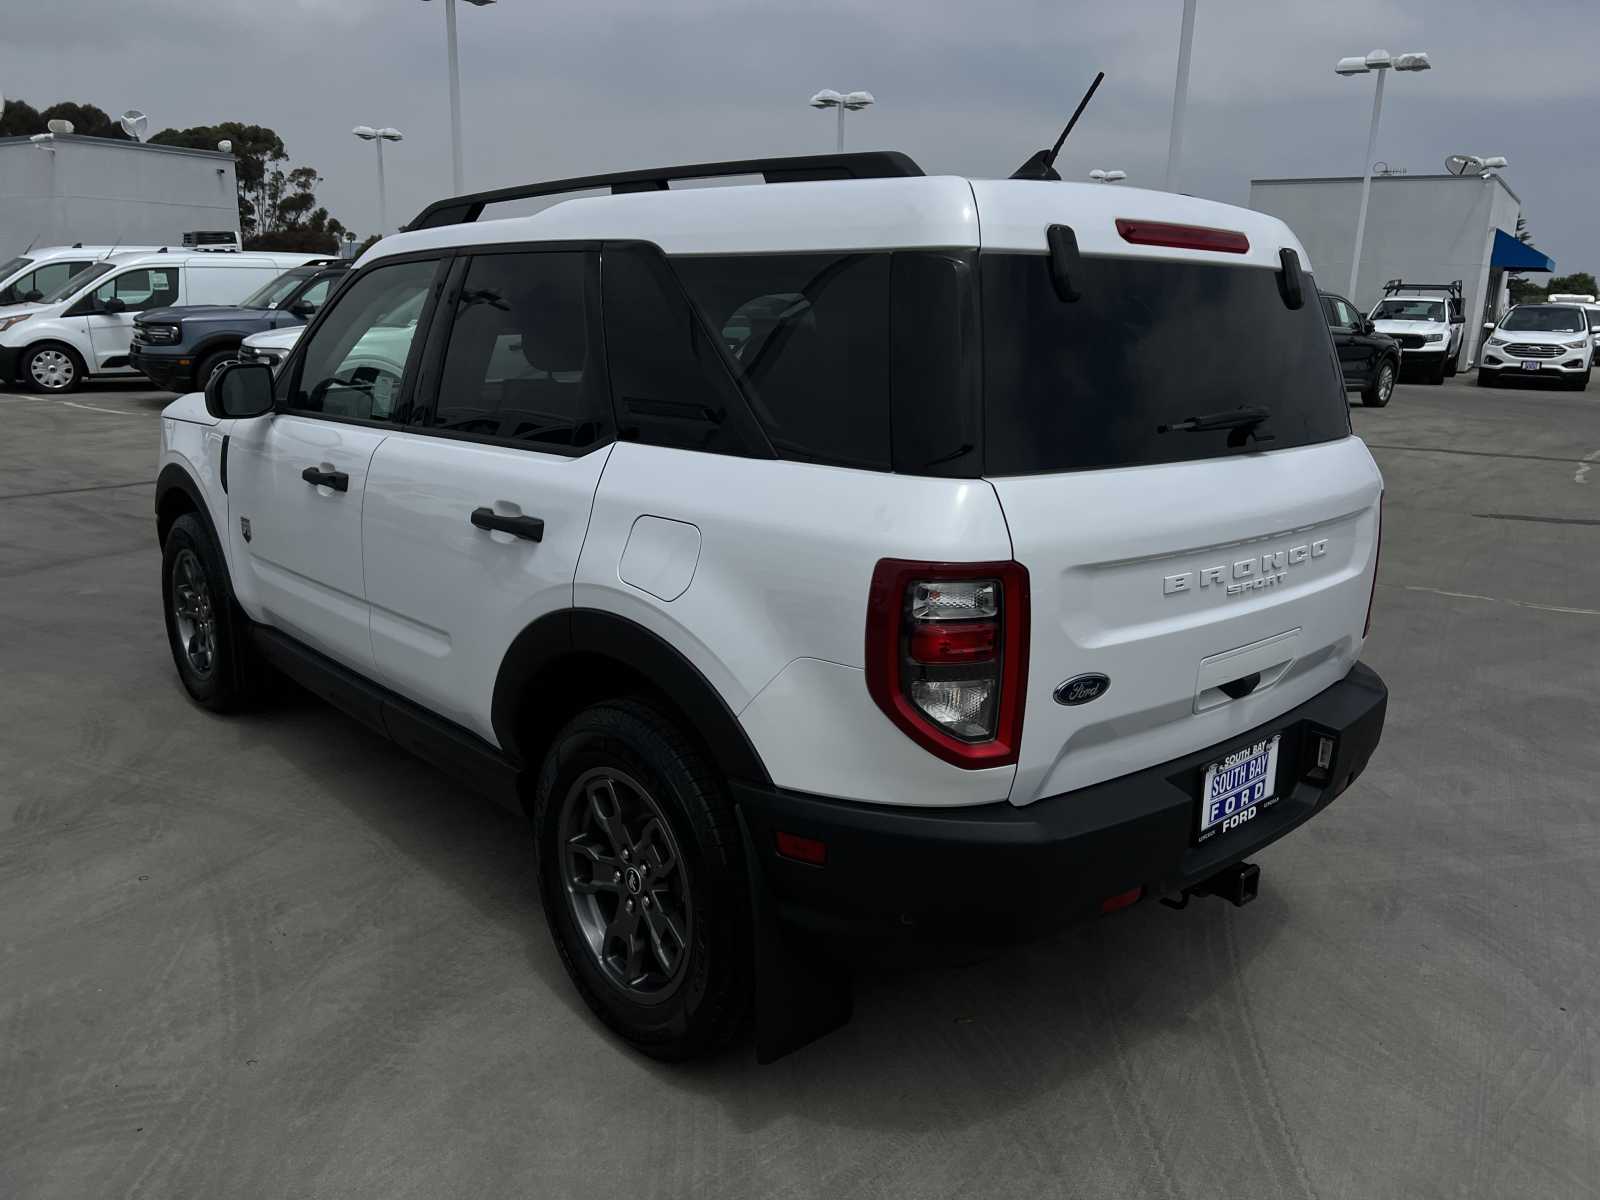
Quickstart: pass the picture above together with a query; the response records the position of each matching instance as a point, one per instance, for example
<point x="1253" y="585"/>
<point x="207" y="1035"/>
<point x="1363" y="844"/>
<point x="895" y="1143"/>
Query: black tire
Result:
<point x="207" y="365"/>
<point x="1436" y="376"/>
<point x="1378" y="393"/>
<point x="1452" y="367"/>
<point x="1578" y="383"/>
<point x="1488" y="378"/>
<point x="214" y="629"/>
<point x="53" y="367"/>
<point x="628" y="746"/>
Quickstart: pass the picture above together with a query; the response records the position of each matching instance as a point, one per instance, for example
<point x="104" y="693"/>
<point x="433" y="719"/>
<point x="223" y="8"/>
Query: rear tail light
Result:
<point x="947" y="656"/>
<point x="1377" y="555"/>
<point x="1184" y="237"/>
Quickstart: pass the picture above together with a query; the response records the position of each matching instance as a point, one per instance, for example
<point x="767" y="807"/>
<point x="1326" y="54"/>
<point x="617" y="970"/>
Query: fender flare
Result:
<point x="172" y="478"/>
<point x="593" y="633"/>
<point x="224" y="340"/>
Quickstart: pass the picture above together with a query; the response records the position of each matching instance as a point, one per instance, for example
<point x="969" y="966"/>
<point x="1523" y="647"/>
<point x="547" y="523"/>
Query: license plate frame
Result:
<point x="1530" y="364"/>
<point x="1237" y="788"/>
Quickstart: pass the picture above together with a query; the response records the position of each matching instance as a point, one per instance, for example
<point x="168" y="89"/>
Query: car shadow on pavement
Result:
<point x="940" y="1046"/>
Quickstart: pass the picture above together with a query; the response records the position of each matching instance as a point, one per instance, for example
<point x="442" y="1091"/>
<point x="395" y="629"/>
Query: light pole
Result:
<point x="1180" y="94"/>
<point x="455" y="89"/>
<point x="1381" y="62"/>
<point x="378" y="137"/>
<point x="844" y="102"/>
<point x="1100" y="176"/>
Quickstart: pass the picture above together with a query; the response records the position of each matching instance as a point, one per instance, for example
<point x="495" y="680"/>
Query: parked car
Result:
<point x="85" y="326"/>
<point x="179" y="348"/>
<point x="1428" y="321"/>
<point x="1370" y="360"/>
<point x="27" y="278"/>
<point x="271" y="347"/>
<point x="838" y="555"/>
<point x="1550" y="341"/>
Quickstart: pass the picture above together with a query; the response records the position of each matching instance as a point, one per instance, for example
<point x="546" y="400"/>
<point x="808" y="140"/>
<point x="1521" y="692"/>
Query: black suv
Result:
<point x="179" y="348"/>
<point x="1370" y="360"/>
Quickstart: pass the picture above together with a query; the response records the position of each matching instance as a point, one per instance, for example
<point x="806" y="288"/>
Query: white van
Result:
<point x="34" y="274"/>
<point x="83" y="327"/>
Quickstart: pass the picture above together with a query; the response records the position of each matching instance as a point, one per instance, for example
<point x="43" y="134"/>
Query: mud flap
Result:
<point x="800" y="995"/>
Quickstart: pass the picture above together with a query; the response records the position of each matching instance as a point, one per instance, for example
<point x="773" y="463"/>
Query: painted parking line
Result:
<point x="115" y="412"/>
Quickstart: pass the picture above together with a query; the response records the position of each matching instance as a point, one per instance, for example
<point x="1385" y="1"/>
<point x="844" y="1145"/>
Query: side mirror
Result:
<point x="1488" y="326"/>
<point x="303" y="310"/>
<point x="113" y="305"/>
<point x="238" y="390"/>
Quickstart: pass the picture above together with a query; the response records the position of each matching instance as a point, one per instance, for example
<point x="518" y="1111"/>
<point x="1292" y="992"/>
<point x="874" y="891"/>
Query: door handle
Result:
<point x="316" y="477"/>
<point x="528" y="528"/>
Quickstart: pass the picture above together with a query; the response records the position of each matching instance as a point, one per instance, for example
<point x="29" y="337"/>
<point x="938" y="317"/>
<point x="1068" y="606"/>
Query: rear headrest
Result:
<point x="555" y="330"/>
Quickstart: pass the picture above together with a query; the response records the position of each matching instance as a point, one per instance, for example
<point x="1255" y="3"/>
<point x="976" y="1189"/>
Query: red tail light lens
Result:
<point x="1377" y="556"/>
<point x="1184" y="237"/>
<point x="947" y="656"/>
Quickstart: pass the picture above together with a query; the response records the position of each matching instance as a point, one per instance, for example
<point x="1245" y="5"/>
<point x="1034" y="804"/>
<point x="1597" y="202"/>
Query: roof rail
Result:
<point x="1395" y="285"/>
<point x="876" y="164"/>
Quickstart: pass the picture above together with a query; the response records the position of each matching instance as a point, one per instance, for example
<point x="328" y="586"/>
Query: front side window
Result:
<point x="521" y="363"/>
<point x="78" y="283"/>
<point x="358" y="360"/>
<point x="315" y="296"/>
<point x="1544" y="318"/>
<point x="1107" y="380"/>
<point x="809" y="339"/>
<point x="41" y="281"/>
<point x="141" y="289"/>
<point x="1409" y="310"/>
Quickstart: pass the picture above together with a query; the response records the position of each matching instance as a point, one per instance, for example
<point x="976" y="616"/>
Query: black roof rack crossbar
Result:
<point x="1395" y="285"/>
<point x="876" y="164"/>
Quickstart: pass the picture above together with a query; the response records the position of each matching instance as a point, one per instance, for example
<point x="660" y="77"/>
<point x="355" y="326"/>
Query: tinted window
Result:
<point x="936" y="364"/>
<point x="670" y="385"/>
<point x="141" y="289"/>
<point x="808" y="336"/>
<point x="43" y="280"/>
<point x="78" y="283"/>
<point x="1409" y="310"/>
<point x="1086" y="384"/>
<point x="1544" y="318"/>
<point x="356" y="362"/>
<point x="521" y="362"/>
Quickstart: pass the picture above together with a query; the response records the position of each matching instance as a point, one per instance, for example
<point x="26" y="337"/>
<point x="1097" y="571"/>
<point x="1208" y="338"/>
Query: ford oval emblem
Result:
<point x="1081" y="689"/>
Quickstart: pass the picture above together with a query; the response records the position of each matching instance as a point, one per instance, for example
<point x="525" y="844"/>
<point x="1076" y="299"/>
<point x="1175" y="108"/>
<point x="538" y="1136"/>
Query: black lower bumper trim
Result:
<point x="997" y="872"/>
<point x="162" y="371"/>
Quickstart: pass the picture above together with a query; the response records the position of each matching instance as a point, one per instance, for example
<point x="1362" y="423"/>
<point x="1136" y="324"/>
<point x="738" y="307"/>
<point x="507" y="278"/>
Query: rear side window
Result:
<point x="1074" y="386"/>
<point x="669" y="383"/>
<point x="808" y="338"/>
<point x="521" y="364"/>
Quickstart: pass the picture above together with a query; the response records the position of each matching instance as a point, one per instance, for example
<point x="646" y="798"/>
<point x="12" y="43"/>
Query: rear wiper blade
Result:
<point x="1244" y="417"/>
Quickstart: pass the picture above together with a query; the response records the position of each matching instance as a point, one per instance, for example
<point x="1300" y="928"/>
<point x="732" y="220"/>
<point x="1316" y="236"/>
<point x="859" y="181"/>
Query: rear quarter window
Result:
<point x="1082" y="385"/>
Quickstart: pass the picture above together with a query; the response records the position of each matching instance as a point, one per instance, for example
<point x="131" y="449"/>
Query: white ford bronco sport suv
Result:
<point x="856" y="555"/>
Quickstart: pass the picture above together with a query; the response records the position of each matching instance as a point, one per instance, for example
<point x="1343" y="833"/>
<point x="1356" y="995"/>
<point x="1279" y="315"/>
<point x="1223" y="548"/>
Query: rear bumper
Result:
<point x="173" y="371"/>
<point x="997" y="873"/>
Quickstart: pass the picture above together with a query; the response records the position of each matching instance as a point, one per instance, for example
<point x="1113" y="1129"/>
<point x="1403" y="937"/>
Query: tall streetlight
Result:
<point x="1381" y="62"/>
<point x="378" y="137"/>
<point x="455" y="89"/>
<point x="844" y="102"/>
<point x="1100" y="176"/>
<point x="1180" y="95"/>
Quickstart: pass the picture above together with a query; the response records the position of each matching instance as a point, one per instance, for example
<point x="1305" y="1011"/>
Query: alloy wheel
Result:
<point x="1385" y="383"/>
<point x="52" y="370"/>
<point x="626" y="883"/>
<point x="192" y="613"/>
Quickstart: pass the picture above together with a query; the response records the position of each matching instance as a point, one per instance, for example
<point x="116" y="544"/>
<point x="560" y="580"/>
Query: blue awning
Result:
<point x="1513" y="255"/>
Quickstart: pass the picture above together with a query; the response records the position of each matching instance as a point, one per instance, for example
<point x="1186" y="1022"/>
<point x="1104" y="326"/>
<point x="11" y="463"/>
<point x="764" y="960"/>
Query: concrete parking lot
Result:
<point x="270" y="956"/>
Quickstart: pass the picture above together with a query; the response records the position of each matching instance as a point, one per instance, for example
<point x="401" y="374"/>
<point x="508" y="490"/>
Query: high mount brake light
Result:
<point x="1184" y="237"/>
<point x="947" y="656"/>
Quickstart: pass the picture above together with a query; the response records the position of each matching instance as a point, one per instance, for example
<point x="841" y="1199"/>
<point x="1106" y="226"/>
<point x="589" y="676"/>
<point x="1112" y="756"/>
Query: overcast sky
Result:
<point x="555" y="87"/>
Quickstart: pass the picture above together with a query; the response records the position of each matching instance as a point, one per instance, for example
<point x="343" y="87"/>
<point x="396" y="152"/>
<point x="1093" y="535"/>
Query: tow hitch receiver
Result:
<point x="1238" y="885"/>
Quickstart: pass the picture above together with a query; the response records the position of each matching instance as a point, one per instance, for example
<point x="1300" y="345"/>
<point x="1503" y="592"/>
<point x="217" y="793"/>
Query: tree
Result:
<point x="259" y="151"/>
<point x="20" y="119"/>
<point x="1579" y="282"/>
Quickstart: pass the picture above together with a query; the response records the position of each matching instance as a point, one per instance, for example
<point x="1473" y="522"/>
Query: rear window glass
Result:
<point x="1147" y="344"/>
<point x="808" y="338"/>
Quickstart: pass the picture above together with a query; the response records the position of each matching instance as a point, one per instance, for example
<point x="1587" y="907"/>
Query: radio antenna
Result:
<point x="1042" y="165"/>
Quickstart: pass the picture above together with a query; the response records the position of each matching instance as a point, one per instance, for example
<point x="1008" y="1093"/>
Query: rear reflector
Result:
<point x="1184" y="237"/>
<point x="802" y="849"/>
<point x="1121" y="900"/>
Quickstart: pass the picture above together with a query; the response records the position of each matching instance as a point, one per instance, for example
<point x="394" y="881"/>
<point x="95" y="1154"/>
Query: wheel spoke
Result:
<point x="623" y="933"/>
<point x="604" y="871"/>
<point x="655" y="848"/>
<point x="666" y="937"/>
<point x="607" y="812"/>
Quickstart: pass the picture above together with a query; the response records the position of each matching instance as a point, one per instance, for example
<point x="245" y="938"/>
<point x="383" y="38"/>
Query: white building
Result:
<point x="1420" y="228"/>
<point x="101" y="191"/>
